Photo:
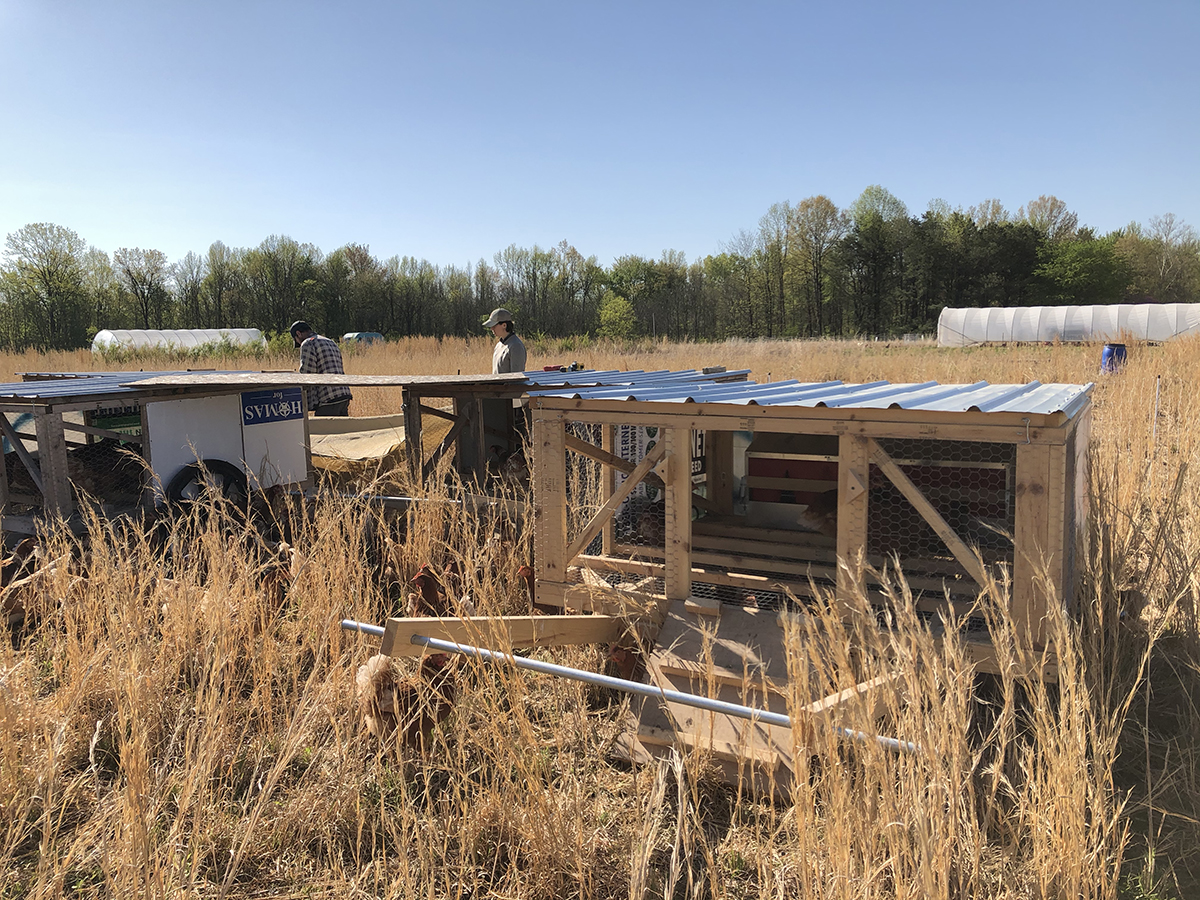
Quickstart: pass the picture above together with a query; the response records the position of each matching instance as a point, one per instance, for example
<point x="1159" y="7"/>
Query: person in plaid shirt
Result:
<point x="321" y="356"/>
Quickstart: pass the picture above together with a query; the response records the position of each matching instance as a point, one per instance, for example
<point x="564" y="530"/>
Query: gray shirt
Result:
<point x="509" y="356"/>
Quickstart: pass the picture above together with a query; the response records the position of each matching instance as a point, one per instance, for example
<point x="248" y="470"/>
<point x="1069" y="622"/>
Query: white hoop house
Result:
<point x="1140" y="321"/>
<point x="174" y="339"/>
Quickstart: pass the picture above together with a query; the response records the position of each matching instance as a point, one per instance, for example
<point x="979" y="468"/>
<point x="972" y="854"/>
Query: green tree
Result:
<point x="1164" y="260"/>
<point x="145" y="273"/>
<point x="43" y="288"/>
<point x="1084" y="270"/>
<point x="221" y="280"/>
<point x="617" y="318"/>
<point x="1050" y="216"/>
<point x="188" y="275"/>
<point x="818" y="226"/>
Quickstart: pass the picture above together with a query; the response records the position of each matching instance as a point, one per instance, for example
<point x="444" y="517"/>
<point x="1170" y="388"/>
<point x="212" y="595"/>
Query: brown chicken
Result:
<point x="652" y="525"/>
<point x="276" y="575"/>
<point x="20" y="561"/>
<point x="623" y="661"/>
<point x="525" y="573"/>
<point x="820" y="516"/>
<point x="406" y="710"/>
<point x="431" y="600"/>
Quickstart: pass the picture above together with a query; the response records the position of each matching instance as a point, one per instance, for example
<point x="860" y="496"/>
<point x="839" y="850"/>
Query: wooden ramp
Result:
<point x="737" y="655"/>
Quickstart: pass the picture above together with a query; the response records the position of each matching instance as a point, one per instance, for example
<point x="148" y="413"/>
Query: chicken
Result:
<point x="652" y="524"/>
<point x="276" y="576"/>
<point x="511" y="465"/>
<point x="623" y="661"/>
<point x="820" y="516"/>
<point x="431" y="600"/>
<point x="514" y="469"/>
<point x="455" y="585"/>
<point x="20" y="561"/>
<point x="406" y="709"/>
<point x="525" y="573"/>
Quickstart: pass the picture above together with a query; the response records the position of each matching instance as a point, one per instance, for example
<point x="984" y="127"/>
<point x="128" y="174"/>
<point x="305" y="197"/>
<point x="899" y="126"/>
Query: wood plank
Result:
<point x="727" y="658"/>
<point x="719" y="480"/>
<point x="501" y="632"/>
<point x="608" y="440"/>
<point x="678" y="531"/>
<point x="810" y="485"/>
<point x="549" y="497"/>
<point x="913" y="494"/>
<point x="447" y="442"/>
<point x="103" y="432"/>
<point x="727" y="526"/>
<point x="52" y="458"/>
<point x="413" y="450"/>
<point x="30" y="464"/>
<point x="623" y="602"/>
<point x="765" y="548"/>
<point x="600" y="455"/>
<point x="1033" y="545"/>
<point x="854" y="474"/>
<point x="592" y="528"/>
<point x="439" y="413"/>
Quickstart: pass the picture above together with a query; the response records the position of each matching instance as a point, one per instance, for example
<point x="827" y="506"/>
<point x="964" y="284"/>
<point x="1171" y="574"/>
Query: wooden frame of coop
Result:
<point x="901" y="459"/>
<point x="1044" y="486"/>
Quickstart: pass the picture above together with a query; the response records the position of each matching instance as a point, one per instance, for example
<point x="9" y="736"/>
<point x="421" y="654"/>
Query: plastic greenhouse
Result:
<point x="1141" y="321"/>
<point x="174" y="339"/>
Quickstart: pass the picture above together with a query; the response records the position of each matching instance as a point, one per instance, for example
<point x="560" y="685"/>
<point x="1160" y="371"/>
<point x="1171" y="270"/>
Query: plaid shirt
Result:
<point x="321" y="356"/>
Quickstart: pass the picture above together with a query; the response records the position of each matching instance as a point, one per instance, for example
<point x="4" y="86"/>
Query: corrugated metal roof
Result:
<point x="614" y="377"/>
<point x="50" y="386"/>
<point x="1034" y="398"/>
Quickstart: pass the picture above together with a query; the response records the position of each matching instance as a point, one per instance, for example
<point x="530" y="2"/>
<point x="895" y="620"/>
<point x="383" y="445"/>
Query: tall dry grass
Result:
<point x="169" y="731"/>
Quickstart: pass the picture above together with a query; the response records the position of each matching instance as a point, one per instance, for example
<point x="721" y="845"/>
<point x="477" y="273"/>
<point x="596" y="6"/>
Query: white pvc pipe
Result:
<point x="631" y="687"/>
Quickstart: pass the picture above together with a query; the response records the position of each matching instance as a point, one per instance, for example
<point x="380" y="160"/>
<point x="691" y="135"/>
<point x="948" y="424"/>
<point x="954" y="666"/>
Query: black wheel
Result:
<point x="210" y="479"/>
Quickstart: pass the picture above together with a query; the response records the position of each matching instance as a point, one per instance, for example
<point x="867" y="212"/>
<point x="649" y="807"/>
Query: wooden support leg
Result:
<point x="679" y="514"/>
<point x="52" y="457"/>
<point x="412" y="435"/>
<point x="1038" y="536"/>
<point x="550" y="496"/>
<point x="854" y="474"/>
<point x="608" y="475"/>
<point x="3" y="483"/>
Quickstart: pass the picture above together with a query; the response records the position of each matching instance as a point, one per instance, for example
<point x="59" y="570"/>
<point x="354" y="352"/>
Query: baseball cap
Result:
<point x="498" y="315"/>
<point x="298" y="325"/>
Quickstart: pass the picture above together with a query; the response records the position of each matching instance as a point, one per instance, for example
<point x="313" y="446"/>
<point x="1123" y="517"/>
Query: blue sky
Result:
<point x="448" y="131"/>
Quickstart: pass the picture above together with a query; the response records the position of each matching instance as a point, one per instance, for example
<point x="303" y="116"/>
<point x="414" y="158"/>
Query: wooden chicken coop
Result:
<point x="726" y="504"/>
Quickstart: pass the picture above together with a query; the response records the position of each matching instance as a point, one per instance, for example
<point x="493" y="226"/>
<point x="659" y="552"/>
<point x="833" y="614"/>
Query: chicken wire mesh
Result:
<point x="969" y="483"/>
<point x="106" y="470"/>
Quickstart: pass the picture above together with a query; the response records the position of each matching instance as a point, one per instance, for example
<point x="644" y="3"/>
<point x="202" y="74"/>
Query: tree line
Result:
<point x="807" y="270"/>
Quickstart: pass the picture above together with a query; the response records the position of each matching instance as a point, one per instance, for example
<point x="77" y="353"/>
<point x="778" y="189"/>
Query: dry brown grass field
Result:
<point x="168" y="727"/>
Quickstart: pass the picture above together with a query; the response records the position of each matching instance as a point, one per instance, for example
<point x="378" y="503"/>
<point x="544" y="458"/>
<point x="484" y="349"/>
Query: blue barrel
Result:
<point x="1112" y="358"/>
